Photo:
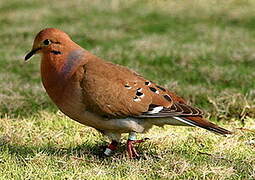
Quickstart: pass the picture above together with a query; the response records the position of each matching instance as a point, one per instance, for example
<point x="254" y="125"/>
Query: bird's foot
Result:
<point x="132" y="153"/>
<point x="111" y="147"/>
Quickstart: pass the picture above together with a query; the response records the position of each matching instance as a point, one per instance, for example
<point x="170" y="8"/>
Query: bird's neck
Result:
<point x="52" y="80"/>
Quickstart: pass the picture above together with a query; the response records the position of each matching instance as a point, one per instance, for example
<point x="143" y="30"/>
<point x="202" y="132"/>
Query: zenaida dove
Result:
<point x="108" y="97"/>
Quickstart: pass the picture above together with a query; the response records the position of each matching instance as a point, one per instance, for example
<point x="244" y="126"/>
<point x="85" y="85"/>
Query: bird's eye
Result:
<point x="46" y="42"/>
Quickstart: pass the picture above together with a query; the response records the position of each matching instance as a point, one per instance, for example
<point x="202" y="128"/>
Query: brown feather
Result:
<point x="203" y="123"/>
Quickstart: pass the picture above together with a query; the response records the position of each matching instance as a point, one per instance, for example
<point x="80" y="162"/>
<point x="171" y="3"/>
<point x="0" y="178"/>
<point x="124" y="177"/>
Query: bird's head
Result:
<point x="47" y="40"/>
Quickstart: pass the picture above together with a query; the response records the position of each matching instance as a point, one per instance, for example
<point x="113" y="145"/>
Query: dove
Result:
<point x="108" y="97"/>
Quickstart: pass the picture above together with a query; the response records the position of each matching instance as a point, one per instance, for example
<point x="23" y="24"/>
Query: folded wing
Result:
<point x="115" y="91"/>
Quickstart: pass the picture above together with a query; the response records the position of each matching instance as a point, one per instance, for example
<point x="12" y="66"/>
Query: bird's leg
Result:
<point x="130" y="145"/>
<point x="111" y="147"/>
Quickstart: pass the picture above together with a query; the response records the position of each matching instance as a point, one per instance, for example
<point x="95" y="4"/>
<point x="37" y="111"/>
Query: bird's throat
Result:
<point x="53" y="81"/>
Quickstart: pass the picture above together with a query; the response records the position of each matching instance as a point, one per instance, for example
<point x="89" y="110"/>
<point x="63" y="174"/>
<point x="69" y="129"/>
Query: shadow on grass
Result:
<point x="27" y="151"/>
<point x="82" y="152"/>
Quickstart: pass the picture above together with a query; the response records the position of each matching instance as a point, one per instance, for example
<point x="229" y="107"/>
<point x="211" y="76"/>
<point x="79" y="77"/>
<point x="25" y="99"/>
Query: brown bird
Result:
<point x="108" y="97"/>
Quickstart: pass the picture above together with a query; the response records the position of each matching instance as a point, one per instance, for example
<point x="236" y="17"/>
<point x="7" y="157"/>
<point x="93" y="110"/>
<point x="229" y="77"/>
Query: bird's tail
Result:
<point x="202" y="123"/>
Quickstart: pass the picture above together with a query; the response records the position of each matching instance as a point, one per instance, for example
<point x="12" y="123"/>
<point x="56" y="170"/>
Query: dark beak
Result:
<point x="31" y="53"/>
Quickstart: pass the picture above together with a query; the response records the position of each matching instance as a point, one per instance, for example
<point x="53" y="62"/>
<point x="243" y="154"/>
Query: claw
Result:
<point x="132" y="153"/>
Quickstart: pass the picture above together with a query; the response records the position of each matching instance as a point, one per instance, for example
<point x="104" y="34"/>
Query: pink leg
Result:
<point x="131" y="149"/>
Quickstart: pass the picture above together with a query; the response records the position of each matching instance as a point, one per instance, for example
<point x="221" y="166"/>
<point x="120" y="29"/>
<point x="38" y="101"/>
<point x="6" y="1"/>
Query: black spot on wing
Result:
<point x="138" y="93"/>
<point x="147" y="83"/>
<point x="153" y="89"/>
<point x="168" y="98"/>
<point x="161" y="88"/>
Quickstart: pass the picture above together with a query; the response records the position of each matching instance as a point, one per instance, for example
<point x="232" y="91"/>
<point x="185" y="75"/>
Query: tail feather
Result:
<point x="202" y="123"/>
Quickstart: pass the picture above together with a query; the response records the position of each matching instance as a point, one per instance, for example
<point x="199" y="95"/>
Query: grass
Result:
<point x="203" y="50"/>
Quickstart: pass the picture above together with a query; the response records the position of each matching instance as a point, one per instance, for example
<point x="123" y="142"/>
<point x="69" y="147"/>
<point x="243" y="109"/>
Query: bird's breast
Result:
<point x="64" y="92"/>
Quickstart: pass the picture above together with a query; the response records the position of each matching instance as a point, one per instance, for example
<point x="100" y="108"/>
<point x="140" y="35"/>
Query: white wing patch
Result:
<point x="155" y="110"/>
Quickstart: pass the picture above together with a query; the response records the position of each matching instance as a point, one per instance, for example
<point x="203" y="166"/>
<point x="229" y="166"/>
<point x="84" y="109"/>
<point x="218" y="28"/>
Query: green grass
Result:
<point x="203" y="50"/>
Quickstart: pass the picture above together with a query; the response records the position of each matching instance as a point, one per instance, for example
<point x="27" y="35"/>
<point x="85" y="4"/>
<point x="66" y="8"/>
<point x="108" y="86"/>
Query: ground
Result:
<point x="203" y="50"/>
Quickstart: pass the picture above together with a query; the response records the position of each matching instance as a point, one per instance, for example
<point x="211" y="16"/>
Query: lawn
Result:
<point x="203" y="50"/>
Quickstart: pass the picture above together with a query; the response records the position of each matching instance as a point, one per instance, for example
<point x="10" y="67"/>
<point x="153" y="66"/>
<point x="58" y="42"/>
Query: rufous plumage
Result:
<point x="108" y="97"/>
